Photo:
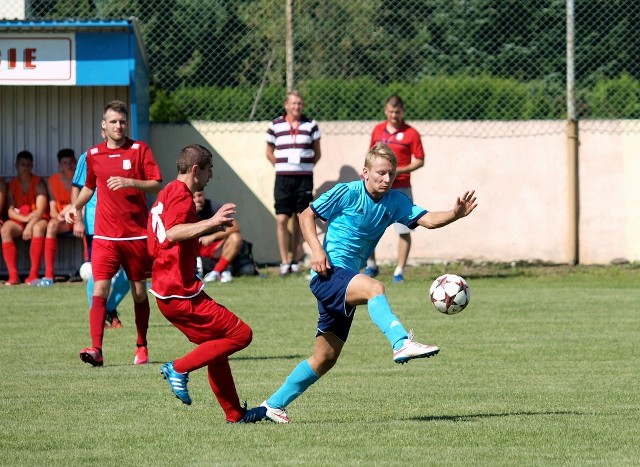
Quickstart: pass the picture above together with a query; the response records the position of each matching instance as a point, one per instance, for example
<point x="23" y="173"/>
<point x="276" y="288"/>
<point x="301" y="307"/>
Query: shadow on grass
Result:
<point x="270" y="357"/>
<point x="464" y="418"/>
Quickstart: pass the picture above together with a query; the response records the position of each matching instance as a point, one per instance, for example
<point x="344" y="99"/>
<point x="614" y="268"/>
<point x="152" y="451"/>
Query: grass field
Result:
<point x="542" y="368"/>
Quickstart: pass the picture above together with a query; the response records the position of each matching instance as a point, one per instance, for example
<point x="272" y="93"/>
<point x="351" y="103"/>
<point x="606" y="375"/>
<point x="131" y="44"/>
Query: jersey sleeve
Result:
<point x="331" y="201"/>
<point x="416" y="145"/>
<point x="407" y="212"/>
<point x="150" y="167"/>
<point x="90" y="176"/>
<point x="80" y="175"/>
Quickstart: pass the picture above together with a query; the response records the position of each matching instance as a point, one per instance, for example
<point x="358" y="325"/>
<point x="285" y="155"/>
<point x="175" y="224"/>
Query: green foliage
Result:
<point x="611" y="98"/>
<point x="540" y="369"/>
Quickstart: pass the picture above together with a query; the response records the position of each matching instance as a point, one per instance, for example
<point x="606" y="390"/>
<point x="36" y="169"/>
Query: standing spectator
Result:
<point x="124" y="171"/>
<point x="405" y="142"/>
<point x="59" y="189"/>
<point x="27" y="218"/>
<point x="223" y="245"/>
<point x="357" y="214"/>
<point x="83" y="228"/>
<point x="293" y="147"/>
<point x="173" y="233"/>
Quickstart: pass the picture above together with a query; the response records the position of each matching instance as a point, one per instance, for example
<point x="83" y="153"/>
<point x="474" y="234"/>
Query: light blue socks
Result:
<point x="296" y="383"/>
<point x="119" y="288"/>
<point x="381" y="314"/>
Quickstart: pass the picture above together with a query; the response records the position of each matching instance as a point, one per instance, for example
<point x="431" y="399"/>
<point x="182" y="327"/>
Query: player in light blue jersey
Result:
<point x="357" y="214"/>
<point x="83" y="227"/>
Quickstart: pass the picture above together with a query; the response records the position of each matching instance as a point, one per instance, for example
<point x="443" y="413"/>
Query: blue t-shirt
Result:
<point x="356" y="221"/>
<point x="79" y="178"/>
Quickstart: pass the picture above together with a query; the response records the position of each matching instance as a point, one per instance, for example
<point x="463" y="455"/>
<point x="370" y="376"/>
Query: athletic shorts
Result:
<point x="398" y="227"/>
<point x="108" y="255"/>
<point x="211" y="250"/>
<point x="292" y="193"/>
<point x="199" y="318"/>
<point x="331" y="292"/>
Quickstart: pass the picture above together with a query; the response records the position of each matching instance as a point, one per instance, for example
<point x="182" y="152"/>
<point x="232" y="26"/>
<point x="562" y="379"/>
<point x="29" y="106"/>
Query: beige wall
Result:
<point x="521" y="183"/>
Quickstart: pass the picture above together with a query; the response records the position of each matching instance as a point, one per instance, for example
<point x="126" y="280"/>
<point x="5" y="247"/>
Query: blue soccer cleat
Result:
<point x="371" y="271"/>
<point x="177" y="382"/>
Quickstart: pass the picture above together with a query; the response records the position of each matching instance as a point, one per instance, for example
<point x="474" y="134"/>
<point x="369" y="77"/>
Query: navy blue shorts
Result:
<point x="331" y="292"/>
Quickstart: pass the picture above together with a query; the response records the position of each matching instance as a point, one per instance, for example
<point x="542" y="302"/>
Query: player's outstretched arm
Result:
<point x="319" y="261"/>
<point x="462" y="208"/>
<point x="221" y="219"/>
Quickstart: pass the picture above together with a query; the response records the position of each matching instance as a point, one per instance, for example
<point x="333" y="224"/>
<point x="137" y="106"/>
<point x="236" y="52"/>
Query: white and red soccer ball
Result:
<point x="450" y="294"/>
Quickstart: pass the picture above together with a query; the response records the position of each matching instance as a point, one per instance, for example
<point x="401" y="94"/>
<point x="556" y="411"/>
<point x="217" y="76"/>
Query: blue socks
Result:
<point x="119" y="288"/>
<point x="381" y="314"/>
<point x="296" y="383"/>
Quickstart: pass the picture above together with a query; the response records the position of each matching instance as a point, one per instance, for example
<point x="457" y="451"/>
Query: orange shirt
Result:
<point x="22" y="198"/>
<point x="59" y="192"/>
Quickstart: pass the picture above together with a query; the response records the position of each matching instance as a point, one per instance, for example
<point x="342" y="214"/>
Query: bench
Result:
<point x="69" y="257"/>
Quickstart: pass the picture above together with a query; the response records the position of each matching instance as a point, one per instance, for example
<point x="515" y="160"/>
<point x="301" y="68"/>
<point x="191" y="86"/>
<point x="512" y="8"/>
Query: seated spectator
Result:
<point x="59" y="189"/>
<point x="27" y="218"/>
<point x="222" y="246"/>
<point x="3" y="200"/>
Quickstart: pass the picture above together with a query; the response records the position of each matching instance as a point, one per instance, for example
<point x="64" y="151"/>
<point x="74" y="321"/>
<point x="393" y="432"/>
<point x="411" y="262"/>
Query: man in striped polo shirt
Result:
<point x="293" y="147"/>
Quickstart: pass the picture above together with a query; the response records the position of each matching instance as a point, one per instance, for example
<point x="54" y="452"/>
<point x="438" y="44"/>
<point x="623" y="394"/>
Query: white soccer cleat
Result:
<point x="226" y="277"/>
<point x="411" y="350"/>
<point x="276" y="415"/>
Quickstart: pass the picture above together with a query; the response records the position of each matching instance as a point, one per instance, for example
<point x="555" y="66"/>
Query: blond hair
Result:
<point x="380" y="149"/>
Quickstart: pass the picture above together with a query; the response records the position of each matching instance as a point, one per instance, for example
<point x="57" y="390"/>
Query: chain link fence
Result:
<point x="451" y="60"/>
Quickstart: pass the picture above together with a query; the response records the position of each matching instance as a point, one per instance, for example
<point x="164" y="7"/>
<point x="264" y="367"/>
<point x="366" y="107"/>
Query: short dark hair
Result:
<point x="24" y="155"/>
<point x="193" y="154"/>
<point x="66" y="152"/>
<point x="117" y="106"/>
<point x="395" y="101"/>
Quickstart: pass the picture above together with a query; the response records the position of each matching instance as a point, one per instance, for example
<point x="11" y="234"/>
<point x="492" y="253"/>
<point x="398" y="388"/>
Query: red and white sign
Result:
<point x="36" y="59"/>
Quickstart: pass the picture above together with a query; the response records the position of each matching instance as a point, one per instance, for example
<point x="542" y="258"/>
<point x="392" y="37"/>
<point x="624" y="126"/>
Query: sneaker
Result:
<point x="275" y="415"/>
<point x="177" y="382"/>
<point x="212" y="276"/>
<point x="411" y="350"/>
<point x="33" y="281"/>
<point x="112" y="320"/>
<point x="256" y="414"/>
<point x="371" y="271"/>
<point x="226" y="277"/>
<point x="285" y="270"/>
<point x="92" y="356"/>
<point x="398" y="278"/>
<point x="141" y="356"/>
<point x="295" y="268"/>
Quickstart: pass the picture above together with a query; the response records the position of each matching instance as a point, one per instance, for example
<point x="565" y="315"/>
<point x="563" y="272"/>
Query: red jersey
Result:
<point x="121" y="214"/>
<point x="59" y="192"/>
<point x="404" y="143"/>
<point x="173" y="274"/>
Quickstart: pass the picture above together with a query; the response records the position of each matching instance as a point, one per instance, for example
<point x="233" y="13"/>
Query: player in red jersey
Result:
<point x="124" y="171"/>
<point x="404" y="141"/>
<point x="173" y="233"/>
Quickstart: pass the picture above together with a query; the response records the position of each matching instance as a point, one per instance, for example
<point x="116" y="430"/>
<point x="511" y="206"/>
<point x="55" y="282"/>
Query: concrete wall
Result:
<point x="521" y="182"/>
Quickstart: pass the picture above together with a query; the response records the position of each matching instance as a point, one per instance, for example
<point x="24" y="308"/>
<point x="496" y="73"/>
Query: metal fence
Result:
<point x="451" y="60"/>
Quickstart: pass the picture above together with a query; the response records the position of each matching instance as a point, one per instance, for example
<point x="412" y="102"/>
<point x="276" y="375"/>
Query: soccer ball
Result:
<point x="85" y="271"/>
<point x="450" y="294"/>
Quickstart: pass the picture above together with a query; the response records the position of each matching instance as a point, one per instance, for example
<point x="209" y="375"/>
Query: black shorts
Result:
<point x="292" y="193"/>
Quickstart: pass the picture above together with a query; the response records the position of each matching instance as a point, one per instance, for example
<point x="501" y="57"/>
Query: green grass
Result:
<point x="542" y="368"/>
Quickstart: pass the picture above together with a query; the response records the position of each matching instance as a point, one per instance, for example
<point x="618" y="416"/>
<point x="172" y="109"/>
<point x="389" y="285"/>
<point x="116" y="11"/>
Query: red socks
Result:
<point x="50" y="247"/>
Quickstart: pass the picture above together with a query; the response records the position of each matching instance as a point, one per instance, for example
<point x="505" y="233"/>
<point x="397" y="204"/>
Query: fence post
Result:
<point x="572" y="142"/>
<point x="289" y="45"/>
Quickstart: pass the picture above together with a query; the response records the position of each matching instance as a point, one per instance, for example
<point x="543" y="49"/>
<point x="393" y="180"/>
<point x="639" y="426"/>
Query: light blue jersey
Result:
<point x="79" y="178"/>
<point x="356" y="221"/>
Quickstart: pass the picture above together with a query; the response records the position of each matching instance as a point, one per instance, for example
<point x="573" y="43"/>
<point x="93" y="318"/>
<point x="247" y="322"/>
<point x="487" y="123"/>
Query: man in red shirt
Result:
<point x="173" y="232"/>
<point x="124" y="171"/>
<point x="405" y="142"/>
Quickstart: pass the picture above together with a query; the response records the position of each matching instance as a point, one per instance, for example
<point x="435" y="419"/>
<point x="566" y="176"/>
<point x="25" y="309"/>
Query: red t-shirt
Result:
<point x="404" y="143"/>
<point x="121" y="214"/>
<point x="174" y="267"/>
